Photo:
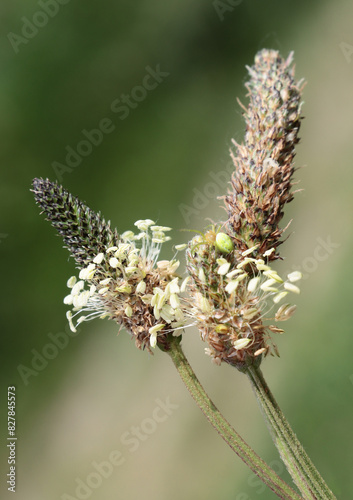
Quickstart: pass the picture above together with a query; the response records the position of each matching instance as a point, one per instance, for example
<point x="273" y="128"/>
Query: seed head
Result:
<point x="120" y="277"/>
<point x="262" y="179"/>
<point x="85" y="233"/>
<point x="233" y="299"/>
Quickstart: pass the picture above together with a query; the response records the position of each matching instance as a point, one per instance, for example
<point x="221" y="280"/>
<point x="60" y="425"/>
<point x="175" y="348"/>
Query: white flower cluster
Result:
<point x="266" y="283"/>
<point x="121" y="273"/>
<point x="166" y="306"/>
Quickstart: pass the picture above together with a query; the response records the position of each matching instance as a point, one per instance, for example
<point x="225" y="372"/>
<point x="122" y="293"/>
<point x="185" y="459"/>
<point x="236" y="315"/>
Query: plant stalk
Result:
<point x="305" y="475"/>
<point x="226" y="431"/>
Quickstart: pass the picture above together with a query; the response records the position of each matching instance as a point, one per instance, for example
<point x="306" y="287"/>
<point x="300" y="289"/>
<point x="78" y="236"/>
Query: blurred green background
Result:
<point x="62" y="78"/>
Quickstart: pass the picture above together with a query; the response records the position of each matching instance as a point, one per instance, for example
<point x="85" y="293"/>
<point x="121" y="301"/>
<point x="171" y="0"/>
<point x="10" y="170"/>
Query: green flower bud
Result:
<point x="224" y="243"/>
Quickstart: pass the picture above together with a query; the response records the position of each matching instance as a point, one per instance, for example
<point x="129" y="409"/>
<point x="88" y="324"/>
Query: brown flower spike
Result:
<point x="233" y="287"/>
<point x="120" y="276"/>
<point x="262" y="179"/>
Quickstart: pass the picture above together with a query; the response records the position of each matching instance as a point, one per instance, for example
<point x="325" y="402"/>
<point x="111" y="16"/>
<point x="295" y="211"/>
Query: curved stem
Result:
<point x="226" y="431"/>
<point x="299" y="465"/>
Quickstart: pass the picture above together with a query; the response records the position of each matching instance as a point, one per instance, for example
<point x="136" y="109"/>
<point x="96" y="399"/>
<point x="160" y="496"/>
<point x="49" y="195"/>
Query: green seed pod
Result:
<point x="224" y="243"/>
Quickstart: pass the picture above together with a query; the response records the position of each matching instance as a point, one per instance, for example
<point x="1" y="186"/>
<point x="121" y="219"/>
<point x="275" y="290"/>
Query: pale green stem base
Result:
<point x="299" y="465"/>
<point x="226" y="431"/>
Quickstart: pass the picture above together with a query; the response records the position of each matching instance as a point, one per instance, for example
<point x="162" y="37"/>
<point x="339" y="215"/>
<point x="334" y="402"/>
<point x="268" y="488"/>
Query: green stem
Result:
<point x="226" y="431"/>
<point x="305" y="475"/>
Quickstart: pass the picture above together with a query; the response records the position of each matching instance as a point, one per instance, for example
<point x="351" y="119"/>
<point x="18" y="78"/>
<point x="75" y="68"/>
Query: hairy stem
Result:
<point x="226" y="431"/>
<point x="305" y="475"/>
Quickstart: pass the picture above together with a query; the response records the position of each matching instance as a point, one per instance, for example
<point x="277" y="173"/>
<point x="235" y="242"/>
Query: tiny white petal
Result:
<point x="174" y="300"/>
<point x="232" y="286"/>
<point x="267" y="286"/>
<point x="140" y="236"/>
<point x="273" y="274"/>
<point x="87" y="273"/>
<point x="125" y="288"/>
<point x="181" y="247"/>
<point x="113" y="262"/>
<point x="154" y="299"/>
<point x="103" y="290"/>
<point x="203" y="303"/>
<point x="91" y="274"/>
<point x="68" y="300"/>
<point x="147" y="299"/>
<point x="128" y="311"/>
<point x="111" y="249"/>
<point x="250" y="313"/>
<point x="99" y="258"/>
<point x="153" y="339"/>
<point x="77" y="288"/>
<point x="156" y="328"/>
<point x="105" y="281"/>
<point x="241" y="277"/>
<point x="174" y="287"/>
<point x="131" y="269"/>
<point x="143" y="224"/>
<point x="249" y="250"/>
<point x="279" y="296"/>
<point x="253" y="283"/>
<point x="241" y="343"/>
<point x="81" y="299"/>
<point x="262" y="267"/>
<point x="269" y="252"/>
<point x="223" y="269"/>
<point x="179" y="316"/>
<point x="245" y="261"/>
<point x="294" y="276"/>
<point x="128" y="235"/>
<point x="202" y="276"/>
<point x="141" y="287"/>
<point x="167" y="313"/>
<point x="174" y="264"/>
<point x="291" y="288"/>
<point x="83" y="274"/>
<point x="234" y="272"/>
<point x="160" y="228"/>
<point x="71" y="281"/>
<point x="184" y="284"/>
<point x="156" y="312"/>
<point x="159" y="240"/>
<point x="161" y="301"/>
<point x="163" y="264"/>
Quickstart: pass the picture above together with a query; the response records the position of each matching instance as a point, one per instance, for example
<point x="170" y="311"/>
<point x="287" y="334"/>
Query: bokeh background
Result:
<point x="61" y="78"/>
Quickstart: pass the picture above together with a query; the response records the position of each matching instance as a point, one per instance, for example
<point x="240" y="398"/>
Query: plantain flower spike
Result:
<point x="120" y="277"/>
<point x="235" y="294"/>
<point x="262" y="178"/>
